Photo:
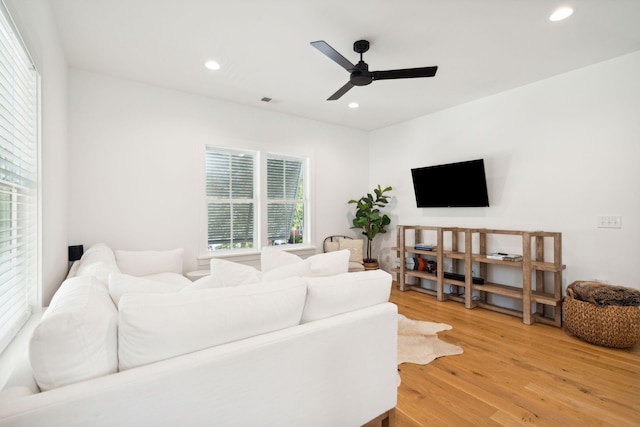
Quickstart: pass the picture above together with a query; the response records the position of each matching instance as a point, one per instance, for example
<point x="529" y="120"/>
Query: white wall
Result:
<point x="34" y="20"/>
<point x="558" y="153"/>
<point x="136" y="162"/>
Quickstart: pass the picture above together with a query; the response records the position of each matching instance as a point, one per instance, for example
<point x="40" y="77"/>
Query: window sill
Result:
<point x="14" y="361"/>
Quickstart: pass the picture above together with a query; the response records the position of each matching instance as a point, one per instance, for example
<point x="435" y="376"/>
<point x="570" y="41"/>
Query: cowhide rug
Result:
<point x="418" y="342"/>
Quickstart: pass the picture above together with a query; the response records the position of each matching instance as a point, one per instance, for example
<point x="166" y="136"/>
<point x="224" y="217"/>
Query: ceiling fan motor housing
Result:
<point x="361" y="75"/>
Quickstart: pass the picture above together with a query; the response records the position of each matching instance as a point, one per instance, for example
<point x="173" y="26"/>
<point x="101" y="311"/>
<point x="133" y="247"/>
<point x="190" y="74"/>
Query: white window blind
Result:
<point x="234" y="205"/>
<point x="18" y="181"/>
<point x="230" y="199"/>
<point x="285" y="193"/>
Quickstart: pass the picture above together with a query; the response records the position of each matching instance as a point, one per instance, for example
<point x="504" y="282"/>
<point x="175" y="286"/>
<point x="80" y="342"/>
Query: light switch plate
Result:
<point x="609" y="221"/>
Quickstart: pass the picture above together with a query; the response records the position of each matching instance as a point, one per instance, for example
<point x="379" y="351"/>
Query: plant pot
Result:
<point x="370" y="264"/>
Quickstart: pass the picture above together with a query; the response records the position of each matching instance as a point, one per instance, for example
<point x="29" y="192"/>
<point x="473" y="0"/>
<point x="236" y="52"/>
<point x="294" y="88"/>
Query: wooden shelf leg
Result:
<point x="440" y="266"/>
<point x="402" y="267"/>
<point x="468" y="288"/>
<point x="526" y="279"/>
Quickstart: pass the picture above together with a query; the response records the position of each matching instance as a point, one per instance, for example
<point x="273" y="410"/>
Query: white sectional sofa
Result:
<point x="128" y="341"/>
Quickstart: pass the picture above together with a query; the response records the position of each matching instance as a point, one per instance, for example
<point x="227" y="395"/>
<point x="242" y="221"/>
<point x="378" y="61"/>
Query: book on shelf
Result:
<point x="504" y="257"/>
<point x="424" y="247"/>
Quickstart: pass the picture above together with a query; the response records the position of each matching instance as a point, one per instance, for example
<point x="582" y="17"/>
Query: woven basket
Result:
<point x="609" y="326"/>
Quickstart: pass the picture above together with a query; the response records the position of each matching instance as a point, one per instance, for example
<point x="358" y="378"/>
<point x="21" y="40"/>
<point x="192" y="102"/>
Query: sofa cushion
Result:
<point x="98" y="261"/>
<point x="327" y="264"/>
<point x="225" y="273"/>
<point x="120" y="284"/>
<point x="299" y="269"/>
<point x="328" y="296"/>
<point x="77" y="336"/>
<point x="272" y="258"/>
<point x="155" y="327"/>
<point x="206" y="282"/>
<point x="145" y="263"/>
<point x="169" y="278"/>
<point x="233" y="273"/>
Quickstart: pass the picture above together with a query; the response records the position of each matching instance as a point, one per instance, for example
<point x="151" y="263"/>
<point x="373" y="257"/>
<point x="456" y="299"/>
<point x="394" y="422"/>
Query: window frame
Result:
<point x="260" y="194"/>
<point x="305" y="199"/>
<point x="255" y="200"/>
<point x="24" y="192"/>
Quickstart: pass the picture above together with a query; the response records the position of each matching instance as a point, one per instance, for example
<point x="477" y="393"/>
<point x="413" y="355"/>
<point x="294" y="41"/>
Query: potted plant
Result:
<point x="371" y="220"/>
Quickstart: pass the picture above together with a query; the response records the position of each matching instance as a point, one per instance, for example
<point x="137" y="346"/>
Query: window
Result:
<point x="18" y="181"/>
<point x="230" y="199"/>
<point x="285" y="194"/>
<point x="234" y="206"/>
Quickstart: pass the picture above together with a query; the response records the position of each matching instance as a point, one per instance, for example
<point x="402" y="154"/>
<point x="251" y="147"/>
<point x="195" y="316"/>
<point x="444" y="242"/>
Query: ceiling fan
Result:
<point x="360" y="74"/>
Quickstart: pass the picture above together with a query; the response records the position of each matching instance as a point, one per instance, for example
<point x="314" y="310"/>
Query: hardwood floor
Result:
<point x="512" y="374"/>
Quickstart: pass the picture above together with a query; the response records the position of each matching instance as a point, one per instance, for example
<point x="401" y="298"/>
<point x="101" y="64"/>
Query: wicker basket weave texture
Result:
<point x="609" y="326"/>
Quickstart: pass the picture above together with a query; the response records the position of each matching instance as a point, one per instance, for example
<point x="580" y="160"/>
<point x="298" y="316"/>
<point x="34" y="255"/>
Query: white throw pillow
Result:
<point x="121" y="284"/>
<point x="272" y="258"/>
<point x="233" y="273"/>
<point x="77" y="337"/>
<point x="329" y="296"/>
<point x="355" y="248"/>
<point x="170" y="278"/>
<point x="225" y="274"/>
<point x="298" y="268"/>
<point x="145" y="263"/>
<point x="328" y="264"/>
<point x="155" y="327"/>
<point x="206" y="282"/>
<point x="98" y="261"/>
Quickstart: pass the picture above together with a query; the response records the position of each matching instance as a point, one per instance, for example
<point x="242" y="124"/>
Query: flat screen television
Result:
<point x="455" y="185"/>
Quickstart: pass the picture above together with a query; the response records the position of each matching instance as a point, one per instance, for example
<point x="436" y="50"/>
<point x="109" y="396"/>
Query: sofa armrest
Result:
<point x="339" y="371"/>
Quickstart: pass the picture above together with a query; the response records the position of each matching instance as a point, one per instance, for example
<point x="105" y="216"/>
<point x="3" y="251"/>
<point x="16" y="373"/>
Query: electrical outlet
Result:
<point x="609" y="221"/>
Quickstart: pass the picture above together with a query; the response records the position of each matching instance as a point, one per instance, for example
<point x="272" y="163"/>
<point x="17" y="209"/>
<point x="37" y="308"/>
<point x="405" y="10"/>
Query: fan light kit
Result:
<point x="353" y="105"/>
<point x="212" y="65"/>
<point x="560" y="14"/>
<point x="360" y="74"/>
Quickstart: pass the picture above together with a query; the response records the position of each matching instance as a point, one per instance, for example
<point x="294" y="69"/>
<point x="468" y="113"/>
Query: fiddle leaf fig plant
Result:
<point x="369" y="218"/>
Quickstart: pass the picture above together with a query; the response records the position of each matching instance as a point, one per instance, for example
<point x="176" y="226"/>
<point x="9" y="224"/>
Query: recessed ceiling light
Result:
<point x="560" y="14"/>
<point x="212" y="65"/>
<point x="353" y="105"/>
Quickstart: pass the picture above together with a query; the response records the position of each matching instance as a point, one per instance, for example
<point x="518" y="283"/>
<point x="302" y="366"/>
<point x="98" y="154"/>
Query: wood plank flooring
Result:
<point x="512" y="374"/>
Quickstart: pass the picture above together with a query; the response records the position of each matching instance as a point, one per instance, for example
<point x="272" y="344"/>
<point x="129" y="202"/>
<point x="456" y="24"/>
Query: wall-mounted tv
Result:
<point x="455" y="185"/>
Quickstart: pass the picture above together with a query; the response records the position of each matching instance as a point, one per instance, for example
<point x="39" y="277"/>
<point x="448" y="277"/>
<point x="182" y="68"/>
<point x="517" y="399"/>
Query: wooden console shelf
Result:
<point x="534" y="293"/>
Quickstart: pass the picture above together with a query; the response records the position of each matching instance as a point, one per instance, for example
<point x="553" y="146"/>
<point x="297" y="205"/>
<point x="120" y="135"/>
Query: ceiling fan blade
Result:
<point x="344" y="89"/>
<point x="406" y="73"/>
<point x="333" y="54"/>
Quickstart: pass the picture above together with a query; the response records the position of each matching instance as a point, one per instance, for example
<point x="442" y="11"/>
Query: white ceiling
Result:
<point x="481" y="48"/>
